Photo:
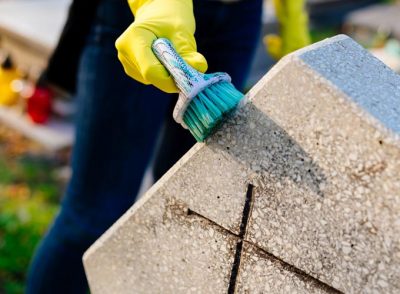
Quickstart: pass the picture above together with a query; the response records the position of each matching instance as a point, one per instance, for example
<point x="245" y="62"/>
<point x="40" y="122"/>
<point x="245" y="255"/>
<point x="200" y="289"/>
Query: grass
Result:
<point x="29" y="194"/>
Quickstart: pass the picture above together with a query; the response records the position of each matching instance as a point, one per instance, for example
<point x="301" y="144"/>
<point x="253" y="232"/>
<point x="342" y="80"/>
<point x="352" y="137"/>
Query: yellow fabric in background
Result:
<point x="7" y="95"/>
<point x="293" y="28"/>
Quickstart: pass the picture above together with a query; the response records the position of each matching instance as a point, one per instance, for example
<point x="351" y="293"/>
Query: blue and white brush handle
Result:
<point x="189" y="81"/>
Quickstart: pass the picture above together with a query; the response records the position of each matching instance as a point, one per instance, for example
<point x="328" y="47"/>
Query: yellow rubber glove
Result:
<point x="171" y="19"/>
<point x="293" y="26"/>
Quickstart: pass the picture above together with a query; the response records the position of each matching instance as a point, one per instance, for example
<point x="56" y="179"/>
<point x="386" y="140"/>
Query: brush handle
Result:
<point x="186" y="78"/>
<point x="189" y="81"/>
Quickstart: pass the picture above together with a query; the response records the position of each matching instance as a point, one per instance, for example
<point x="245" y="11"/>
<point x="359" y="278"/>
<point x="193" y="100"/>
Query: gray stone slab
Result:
<point x="329" y="197"/>
<point x="261" y="273"/>
<point x="380" y="17"/>
<point x="364" y="80"/>
<point x="324" y="159"/>
<point x="192" y="249"/>
<point x="29" y="31"/>
<point x="197" y="182"/>
<point x="55" y="135"/>
<point x="161" y="247"/>
<point x="38" y="23"/>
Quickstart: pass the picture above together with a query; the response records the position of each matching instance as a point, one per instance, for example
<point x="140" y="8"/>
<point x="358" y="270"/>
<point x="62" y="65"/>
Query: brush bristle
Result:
<point x="209" y="108"/>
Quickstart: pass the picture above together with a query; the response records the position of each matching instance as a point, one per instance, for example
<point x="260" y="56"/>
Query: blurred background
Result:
<point x="36" y="123"/>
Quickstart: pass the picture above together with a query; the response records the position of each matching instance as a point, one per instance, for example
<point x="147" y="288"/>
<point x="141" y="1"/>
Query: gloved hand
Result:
<point x="293" y="27"/>
<point x="171" y="19"/>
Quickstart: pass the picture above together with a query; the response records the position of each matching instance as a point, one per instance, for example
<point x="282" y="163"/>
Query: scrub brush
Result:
<point x="204" y="99"/>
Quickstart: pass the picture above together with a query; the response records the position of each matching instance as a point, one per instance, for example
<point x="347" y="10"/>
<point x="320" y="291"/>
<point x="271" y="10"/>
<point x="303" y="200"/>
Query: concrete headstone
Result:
<point x="299" y="192"/>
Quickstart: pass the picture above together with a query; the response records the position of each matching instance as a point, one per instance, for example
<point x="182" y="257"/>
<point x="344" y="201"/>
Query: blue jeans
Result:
<point x="118" y="123"/>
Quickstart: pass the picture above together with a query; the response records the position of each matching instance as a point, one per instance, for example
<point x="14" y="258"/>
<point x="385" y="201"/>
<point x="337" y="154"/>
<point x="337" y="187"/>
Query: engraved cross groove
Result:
<point x="241" y="237"/>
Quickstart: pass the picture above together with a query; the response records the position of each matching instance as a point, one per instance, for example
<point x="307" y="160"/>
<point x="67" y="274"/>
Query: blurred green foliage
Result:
<point x="29" y="193"/>
<point x="323" y="33"/>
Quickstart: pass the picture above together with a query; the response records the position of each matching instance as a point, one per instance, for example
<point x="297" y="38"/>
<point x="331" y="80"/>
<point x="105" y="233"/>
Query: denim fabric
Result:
<point x="118" y="122"/>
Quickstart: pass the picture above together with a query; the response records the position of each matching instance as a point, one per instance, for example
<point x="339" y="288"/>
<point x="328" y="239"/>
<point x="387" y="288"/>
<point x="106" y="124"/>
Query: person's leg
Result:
<point x="227" y="34"/>
<point x="117" y="123"/>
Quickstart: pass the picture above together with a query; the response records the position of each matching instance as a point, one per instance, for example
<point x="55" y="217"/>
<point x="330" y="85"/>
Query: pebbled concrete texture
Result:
<point x="335" y="212"/>
<point x="319" y="139"/>
<point x="161" y="247"/>
<point x="261" y="273"/>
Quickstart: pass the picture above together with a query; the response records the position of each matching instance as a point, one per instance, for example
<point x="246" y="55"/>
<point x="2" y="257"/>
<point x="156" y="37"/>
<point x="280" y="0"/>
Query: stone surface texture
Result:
<point x="262" y="274"/>
<point x="173" y="252"/>
<point x="319" y="139"/>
